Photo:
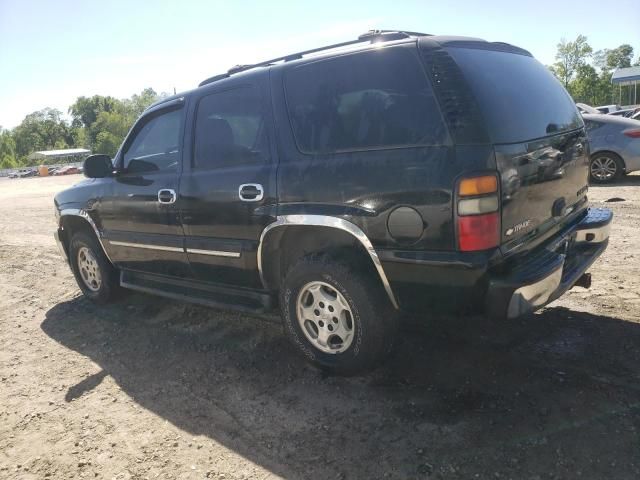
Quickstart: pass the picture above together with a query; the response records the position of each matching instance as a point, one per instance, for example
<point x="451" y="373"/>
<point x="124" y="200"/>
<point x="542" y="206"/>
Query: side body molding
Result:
<point x="329" y="222"/>
<point x="78" y="212"/>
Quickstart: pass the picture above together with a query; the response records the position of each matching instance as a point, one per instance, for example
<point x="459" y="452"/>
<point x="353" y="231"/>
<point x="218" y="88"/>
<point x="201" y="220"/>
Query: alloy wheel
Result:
<point x="325" y="317"/>
<point x="89" y="269"/>
<point x="604" y="168"/>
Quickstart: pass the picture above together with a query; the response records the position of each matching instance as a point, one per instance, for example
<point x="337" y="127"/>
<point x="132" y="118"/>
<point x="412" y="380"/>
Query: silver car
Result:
<point x="615" y="146"/>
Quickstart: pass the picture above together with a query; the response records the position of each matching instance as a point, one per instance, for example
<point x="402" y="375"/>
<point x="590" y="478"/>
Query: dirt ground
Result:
<point x="152" y="388"/>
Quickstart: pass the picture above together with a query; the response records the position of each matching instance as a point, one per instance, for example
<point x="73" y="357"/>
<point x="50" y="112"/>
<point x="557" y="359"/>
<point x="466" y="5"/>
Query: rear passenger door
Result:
<point x="227" y="192"/>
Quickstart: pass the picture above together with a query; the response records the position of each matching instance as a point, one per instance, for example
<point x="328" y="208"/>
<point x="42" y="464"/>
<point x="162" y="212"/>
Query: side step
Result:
<point x="226" y="298"/>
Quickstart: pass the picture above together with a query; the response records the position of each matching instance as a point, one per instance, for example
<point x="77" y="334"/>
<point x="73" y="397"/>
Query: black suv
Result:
<point x="397" y="172"/>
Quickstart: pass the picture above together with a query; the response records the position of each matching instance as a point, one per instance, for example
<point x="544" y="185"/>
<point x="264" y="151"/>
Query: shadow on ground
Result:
<point x="555" y="395"/>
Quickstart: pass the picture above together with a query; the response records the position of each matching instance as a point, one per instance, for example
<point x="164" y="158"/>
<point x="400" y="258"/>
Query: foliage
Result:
<point x="98" y="123"/>
<point x="41" y="130"/>
<point x="587" y="75"/>
<point x="7" y="150"/>
<point x="570" y="57"/>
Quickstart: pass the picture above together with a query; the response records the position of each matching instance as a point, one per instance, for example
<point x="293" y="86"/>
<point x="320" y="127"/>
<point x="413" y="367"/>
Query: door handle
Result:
<point x="251" y="192"/>
<point x="167" y="196"/>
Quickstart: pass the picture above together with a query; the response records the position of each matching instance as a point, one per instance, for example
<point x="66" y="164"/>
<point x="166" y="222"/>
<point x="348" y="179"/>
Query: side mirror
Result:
<point x="98" y="166"/>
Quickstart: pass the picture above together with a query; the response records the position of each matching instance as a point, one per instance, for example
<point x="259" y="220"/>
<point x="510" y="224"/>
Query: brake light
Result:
<point x="478" y="213"/>
<point x="633" y="133"/>
<point x="479" y="232"/>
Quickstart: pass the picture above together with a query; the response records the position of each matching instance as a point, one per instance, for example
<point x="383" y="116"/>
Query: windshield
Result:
<point x="519" y="97"/>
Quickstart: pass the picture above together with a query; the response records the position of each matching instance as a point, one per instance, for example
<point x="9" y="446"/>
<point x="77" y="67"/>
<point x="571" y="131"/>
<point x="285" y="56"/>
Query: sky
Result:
<point x="53" y="51"/>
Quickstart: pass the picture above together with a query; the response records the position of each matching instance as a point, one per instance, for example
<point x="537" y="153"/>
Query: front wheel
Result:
<point x="605" y="168"/>
<point x="337" y="316"/>
<point x="95" y="275"/>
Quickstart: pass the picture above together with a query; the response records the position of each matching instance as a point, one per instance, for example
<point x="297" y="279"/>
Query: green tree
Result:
<point x="85" y="111"/>
<point x="7" y="150"/>
<point x="110" y="129"/>
<point x="41" y="130"/>
<point x="611" y="59"/>
<point x="584" y="88"/>
<point x="570" y="57"/>
<point x="139" y="103"/>
<point x="101" y="123"/>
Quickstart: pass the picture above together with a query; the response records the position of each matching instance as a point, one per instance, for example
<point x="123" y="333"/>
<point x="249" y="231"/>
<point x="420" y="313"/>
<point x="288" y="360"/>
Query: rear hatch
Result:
<point x="540" y="145"/>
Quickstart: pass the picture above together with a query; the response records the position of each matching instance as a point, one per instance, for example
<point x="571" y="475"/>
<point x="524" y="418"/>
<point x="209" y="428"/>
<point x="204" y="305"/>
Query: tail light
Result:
<point x="632" y="132"/>
<point x="478" y="215"/>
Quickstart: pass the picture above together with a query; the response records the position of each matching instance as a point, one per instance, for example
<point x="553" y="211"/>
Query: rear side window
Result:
<point x="230" y="129"/>
<point x="372" y="100"/>
<point x="519" y="98"/>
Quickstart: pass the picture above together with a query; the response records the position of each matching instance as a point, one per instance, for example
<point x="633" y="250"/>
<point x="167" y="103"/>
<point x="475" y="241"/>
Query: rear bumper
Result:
<point x="485" y="283"/>
<point x="532" y="281"/>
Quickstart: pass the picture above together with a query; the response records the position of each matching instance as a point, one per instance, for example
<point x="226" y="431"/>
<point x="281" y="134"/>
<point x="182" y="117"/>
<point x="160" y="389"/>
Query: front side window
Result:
<point x="371" y="100"/>
<point x="156" y="145"/>
<point x="230" y="129"/>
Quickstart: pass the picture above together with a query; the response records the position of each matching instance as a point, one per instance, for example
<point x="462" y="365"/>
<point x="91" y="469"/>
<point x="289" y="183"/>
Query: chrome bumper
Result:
<point x="529" y="297"/>
<point x="548" y="273"/>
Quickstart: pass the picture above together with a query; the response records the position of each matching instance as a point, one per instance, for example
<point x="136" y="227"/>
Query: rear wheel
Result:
<point x="605" y="168"/>
<point x="337" y="316"/>
<point x="95" y="275"/>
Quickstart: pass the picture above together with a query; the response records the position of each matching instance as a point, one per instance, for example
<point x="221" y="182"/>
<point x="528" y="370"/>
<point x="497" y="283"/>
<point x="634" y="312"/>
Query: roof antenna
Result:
<point x="174" y="90"/>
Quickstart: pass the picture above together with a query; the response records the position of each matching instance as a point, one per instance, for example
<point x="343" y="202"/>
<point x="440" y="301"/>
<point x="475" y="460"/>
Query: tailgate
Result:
<point x="543" y="182"/>
<point x="538" y="137"/>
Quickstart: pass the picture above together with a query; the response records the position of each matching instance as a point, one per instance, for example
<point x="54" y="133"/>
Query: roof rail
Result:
<point x="372" y="36"/>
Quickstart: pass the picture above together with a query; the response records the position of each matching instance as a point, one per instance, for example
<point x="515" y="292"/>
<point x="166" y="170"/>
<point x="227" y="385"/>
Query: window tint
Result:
<point x="519" y="98"/>
<point x="156" y="146"/>
<point x="230" y="129"/>
<point x="375" y="99"/>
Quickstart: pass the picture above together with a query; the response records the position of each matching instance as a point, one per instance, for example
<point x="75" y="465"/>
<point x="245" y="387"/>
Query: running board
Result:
<point x="226" y="298"/>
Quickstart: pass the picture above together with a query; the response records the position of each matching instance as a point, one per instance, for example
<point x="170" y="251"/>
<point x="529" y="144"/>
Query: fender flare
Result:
<point x="328" y="222"/>
<point x="79" y="212"/>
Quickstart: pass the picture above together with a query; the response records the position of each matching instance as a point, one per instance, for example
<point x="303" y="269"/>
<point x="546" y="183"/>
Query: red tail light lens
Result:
<point x="633" y="133"/>
<point x="479" y="232"/>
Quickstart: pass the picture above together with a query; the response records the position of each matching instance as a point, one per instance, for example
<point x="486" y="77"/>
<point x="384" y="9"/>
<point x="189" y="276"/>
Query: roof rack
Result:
<point x="372" y="36"/>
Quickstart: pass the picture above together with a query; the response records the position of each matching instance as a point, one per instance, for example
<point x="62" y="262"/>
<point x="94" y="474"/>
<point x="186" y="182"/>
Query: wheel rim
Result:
<point x="325" y="317"/>
<point x="89" y="269"/>
<point x="603" y="168"/>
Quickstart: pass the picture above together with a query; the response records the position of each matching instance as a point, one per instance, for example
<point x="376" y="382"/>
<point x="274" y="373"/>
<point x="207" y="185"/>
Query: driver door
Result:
<point x="142" y="226"/>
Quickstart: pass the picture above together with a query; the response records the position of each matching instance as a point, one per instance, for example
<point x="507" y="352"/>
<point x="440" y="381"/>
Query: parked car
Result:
<point x="68" y="170"/>
<point x="24" y="173"/>
<point x="343" y="185"/>
<point x="584" y="108"/>
<point x="615" y="146"/>
<point x="608" y="108"/>
<point x="627" y="112"/>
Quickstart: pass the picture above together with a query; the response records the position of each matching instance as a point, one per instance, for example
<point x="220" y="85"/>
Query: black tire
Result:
<point x="610" y="159"/>
<point x="109" y="286"/>
<point x="374" y="319"/>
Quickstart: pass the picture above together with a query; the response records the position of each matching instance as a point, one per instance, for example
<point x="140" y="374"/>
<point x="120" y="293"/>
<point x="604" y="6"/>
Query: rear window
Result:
<point x="520" y="99"/>
<point x="372" y="100"/>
